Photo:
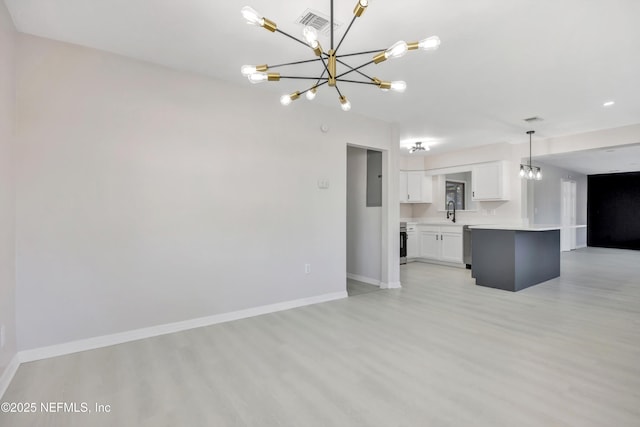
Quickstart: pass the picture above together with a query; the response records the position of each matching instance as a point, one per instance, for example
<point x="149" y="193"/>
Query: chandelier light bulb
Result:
<point x="539" y="175"/>
<point x="311" y="94"/>
<point x="258" y="77"/>
<point x="247" y="70"/>
<point x="530" y="174"/>
<point x="364" y="3"/>
<point x="399" y="86"/>
<point x="310" y="35"/>
<point x="522" y="173"/>
<point x="430" y="43"/>
<point x="251" y="16"/>
<point x="285" y="100"/>
<point x="345" y="104"/>
<point x="398" y="50"/>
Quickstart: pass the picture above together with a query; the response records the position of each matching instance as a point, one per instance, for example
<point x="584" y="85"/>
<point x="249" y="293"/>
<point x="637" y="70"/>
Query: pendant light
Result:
<point x="529" y="171"/>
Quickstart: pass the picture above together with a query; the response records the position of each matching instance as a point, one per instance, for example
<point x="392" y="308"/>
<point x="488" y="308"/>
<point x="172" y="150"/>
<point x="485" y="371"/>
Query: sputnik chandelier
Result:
<point x="330" y="59"/>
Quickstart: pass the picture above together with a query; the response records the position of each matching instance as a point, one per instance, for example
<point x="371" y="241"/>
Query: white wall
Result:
<point x="363" y="223"/>
<point x="547" y="195"/>
<point x="547" y="198"/>
<point x="147" y="195"/>
<point x="7" y="189"/>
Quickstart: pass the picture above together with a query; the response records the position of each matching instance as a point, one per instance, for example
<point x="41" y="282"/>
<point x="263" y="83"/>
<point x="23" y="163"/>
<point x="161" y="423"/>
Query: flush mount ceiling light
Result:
<point x="330" y="59"/>
<point x="609" y="104"/>
<point x="418" y="147"/>
<point x="529" y="171"/>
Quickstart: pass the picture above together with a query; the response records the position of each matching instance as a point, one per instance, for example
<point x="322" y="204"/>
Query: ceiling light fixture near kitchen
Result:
<point x="608" y="104"/>
<point x="529" y="171"/>
<point x="330" y="59"/>
<point x="418" y="147"/>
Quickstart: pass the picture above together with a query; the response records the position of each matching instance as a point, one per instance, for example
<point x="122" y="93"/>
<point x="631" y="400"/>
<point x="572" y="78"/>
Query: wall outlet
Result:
<point x="307" y="268"/>
<point x="2" y="336"/>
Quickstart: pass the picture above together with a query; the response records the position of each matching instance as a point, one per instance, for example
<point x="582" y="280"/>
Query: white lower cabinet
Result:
<point x="451" y="246"/>
<point x="412" y="242"/>
<point x="441" y="243"/>
<point x="429" y="244"/>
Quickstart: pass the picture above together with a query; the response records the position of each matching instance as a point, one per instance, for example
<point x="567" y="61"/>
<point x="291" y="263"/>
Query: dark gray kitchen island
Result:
<point x="514" y="257"/>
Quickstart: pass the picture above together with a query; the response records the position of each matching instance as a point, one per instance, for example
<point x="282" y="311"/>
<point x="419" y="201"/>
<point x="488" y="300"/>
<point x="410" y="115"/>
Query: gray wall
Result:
<point x="364" y="223"/>
<point x="7" y="189"/>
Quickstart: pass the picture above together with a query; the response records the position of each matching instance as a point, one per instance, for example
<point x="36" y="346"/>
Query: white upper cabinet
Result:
<point x="490" y="181"/>
<point x="415" y="187"/>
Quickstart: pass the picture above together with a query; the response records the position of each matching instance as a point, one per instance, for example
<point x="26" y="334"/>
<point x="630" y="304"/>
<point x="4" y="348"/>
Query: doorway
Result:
<point x="568" y="216"/>
<point x="365" y="206"/>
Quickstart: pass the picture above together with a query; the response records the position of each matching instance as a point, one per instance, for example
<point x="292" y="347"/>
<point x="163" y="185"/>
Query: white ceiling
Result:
<point x="603" y="160"/>
<point x="499" y="62"/>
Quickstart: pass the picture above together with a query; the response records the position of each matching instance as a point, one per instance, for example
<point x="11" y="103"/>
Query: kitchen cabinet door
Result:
<point x="490" y="182"/>
<point x="403" y="191"/>
<point x="412" y="244"/>
<point x="429" y="244"/>
<point x="451" y="247"/>
<point x="414" y="186"/>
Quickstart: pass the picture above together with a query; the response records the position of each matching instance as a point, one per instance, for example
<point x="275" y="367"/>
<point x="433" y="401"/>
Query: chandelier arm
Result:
<point x="320" y="78"/>
<point x="345" y="33"/>
<point x="291" y="37"/>
<point x="315" y="85"/>
<point x="294" y="63"/>
<point x="356" y="81"/>
<point x="303" y="78"/>
<point x="338" y="90"/>
<point x="357" y="71"/>
<point x="361" y="53"/>
<point x="326" y="68"/>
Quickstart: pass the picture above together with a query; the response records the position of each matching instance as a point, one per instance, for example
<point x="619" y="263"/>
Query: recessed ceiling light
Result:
<point x="608" y="104"/>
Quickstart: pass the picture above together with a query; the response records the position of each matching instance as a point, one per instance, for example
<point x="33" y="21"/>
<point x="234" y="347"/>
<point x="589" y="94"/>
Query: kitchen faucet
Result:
<point x="451" y="214"/>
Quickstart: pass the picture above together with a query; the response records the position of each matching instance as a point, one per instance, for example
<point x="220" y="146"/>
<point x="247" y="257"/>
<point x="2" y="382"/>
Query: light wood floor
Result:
<point x="439" y="352"/>
<point x="355" y="288"/>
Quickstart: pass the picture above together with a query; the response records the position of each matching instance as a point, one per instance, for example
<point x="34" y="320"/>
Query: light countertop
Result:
<point x="535" y="227"/>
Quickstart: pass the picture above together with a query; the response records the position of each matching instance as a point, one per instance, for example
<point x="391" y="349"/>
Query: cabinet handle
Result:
<point x="441" y="238"/>
<point x="436" y="237"/>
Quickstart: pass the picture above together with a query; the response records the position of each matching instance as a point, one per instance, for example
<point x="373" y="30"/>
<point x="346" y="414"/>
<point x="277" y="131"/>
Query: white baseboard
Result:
<point x="168" y="328"/>
<point x="391" y="285"/>
<point x="363" y="279"/>
<point x="8" y="374"/>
